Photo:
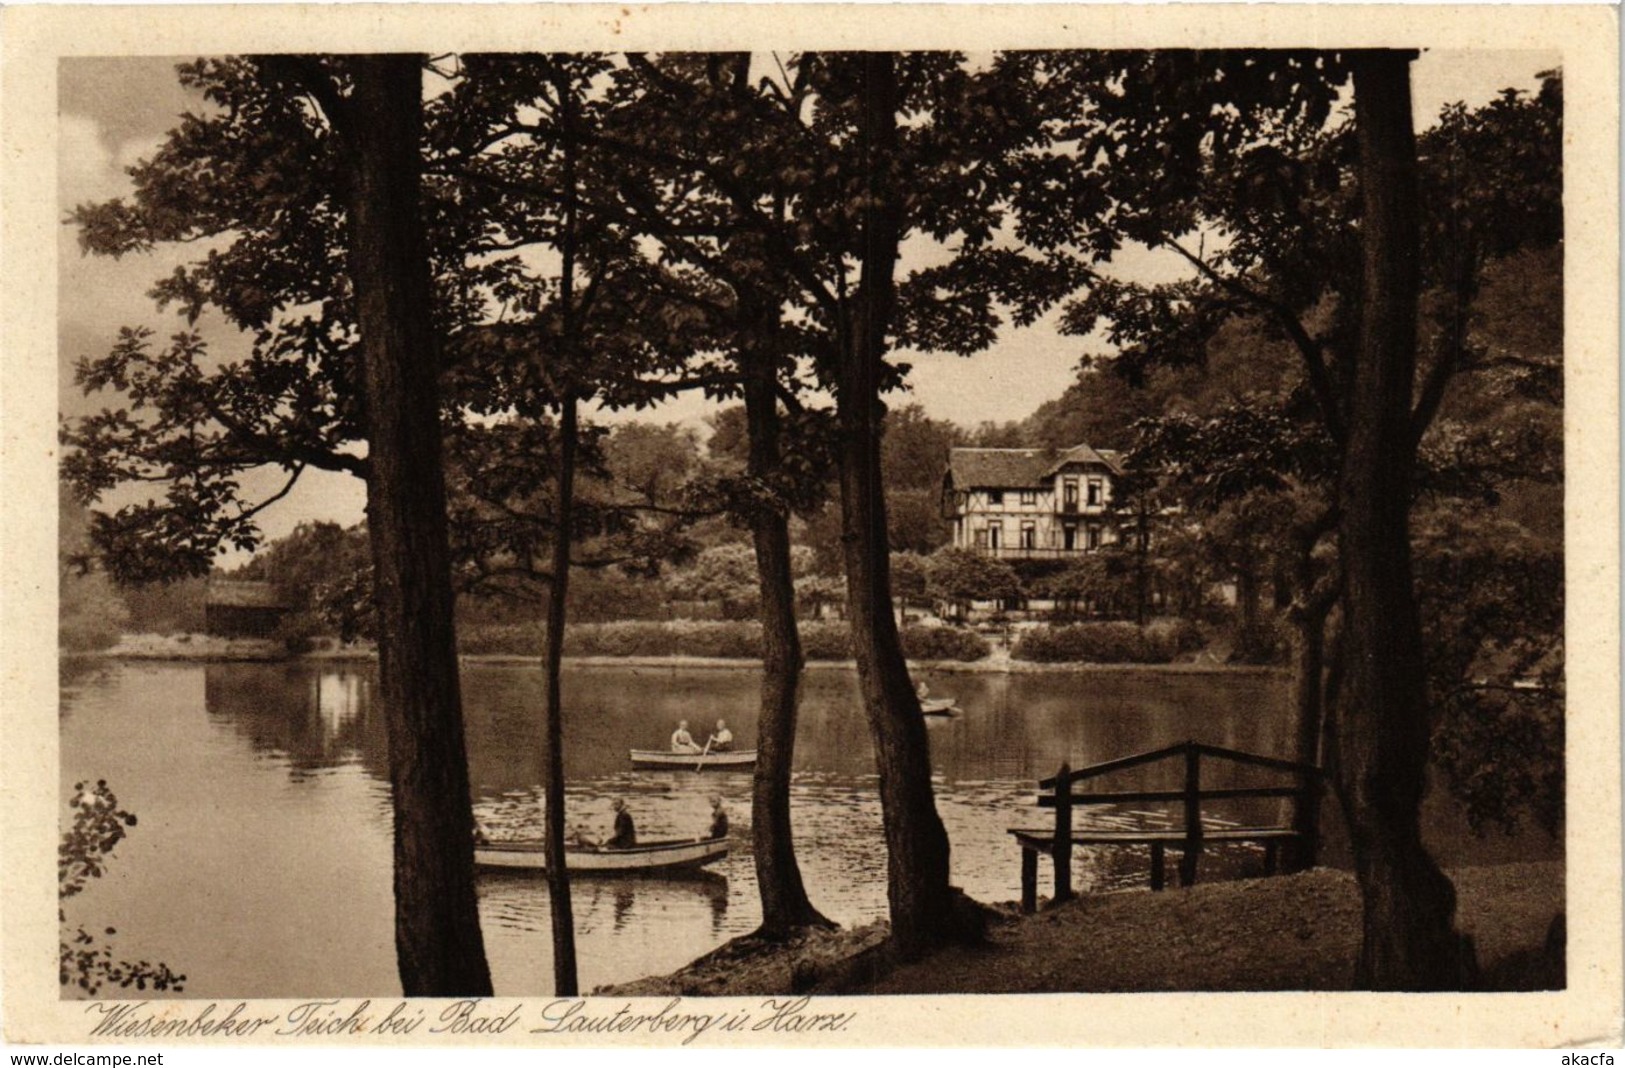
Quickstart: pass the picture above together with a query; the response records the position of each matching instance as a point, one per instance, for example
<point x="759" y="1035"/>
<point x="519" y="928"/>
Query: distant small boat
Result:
<point x="642" y="859"/>
<point x="665" y="758"/>
<point x="938" y="706"/>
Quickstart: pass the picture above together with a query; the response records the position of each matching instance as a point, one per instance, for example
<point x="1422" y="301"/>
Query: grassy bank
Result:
<point x="1297" y="932"/>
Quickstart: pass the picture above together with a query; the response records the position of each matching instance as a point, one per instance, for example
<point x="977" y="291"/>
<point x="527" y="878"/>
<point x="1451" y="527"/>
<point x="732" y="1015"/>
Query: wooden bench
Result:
<point x="1058" y="841"/>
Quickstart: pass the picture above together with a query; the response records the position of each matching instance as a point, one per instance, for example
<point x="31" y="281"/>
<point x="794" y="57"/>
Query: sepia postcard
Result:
<point x="707" y="526"/>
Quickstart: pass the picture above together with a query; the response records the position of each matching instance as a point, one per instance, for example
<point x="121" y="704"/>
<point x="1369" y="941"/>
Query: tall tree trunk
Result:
<point x="438" y="944"/>
<point x="1382" y="734"/>
<point x="922" y="903"/>
<point x="558" y="876"/>
<point x="785" y="905"/>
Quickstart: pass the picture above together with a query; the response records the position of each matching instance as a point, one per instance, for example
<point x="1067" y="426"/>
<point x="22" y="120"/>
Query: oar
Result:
<point x="699" y="767"/>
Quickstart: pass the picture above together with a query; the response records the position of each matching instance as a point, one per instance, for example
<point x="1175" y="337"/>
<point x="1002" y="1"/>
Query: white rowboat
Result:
<point x="641" y="859"/>
<point x="938" y="706"/>
<point x="665" y="758"/>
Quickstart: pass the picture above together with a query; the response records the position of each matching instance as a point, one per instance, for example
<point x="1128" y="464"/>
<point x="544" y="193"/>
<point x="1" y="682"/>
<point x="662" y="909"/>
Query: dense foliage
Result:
<point x="87" y="959"/>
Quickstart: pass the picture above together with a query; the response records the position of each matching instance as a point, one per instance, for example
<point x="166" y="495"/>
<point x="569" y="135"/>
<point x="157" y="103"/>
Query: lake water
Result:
<point x="261" y="866"/>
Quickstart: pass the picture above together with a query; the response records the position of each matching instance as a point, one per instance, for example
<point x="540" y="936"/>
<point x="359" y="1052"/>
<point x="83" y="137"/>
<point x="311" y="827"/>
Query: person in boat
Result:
<point x="923" y="692"/>
<point x="722" y="739"/>
<point x="719" y="818"/>
<point x="682" y="741"/>
<point x="626" y="833"/>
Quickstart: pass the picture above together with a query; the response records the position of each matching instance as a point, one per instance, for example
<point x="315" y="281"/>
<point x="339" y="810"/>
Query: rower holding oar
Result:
<point x="626" y="832"/>
<point x="722" y="739"/>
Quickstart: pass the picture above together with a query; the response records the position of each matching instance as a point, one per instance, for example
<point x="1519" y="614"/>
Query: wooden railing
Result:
<point x="1057" y="793"/>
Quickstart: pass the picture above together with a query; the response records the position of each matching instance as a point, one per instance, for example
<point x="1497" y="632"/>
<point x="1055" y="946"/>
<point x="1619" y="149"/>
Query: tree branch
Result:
<point x="1319" y="379"/>
<point x="298" y="469"/>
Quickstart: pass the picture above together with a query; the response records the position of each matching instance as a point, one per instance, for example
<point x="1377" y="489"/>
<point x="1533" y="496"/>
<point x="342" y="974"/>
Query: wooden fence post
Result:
<point x="1029" y="879"/>
<point x="1305" y="852"/>
<point x="1193" y="815"/>
<point x="1061" y="846"/>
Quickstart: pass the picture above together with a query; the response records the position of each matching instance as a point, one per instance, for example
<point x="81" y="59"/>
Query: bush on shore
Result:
<point x="1100" y="643"/>
<point x="943" y="643"/>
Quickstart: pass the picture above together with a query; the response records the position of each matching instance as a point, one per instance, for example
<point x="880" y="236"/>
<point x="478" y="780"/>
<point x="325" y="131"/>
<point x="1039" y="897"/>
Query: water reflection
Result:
<point x="263" y="788"/>
<point x="316" y="717"/>
<point x="519" y="900"/>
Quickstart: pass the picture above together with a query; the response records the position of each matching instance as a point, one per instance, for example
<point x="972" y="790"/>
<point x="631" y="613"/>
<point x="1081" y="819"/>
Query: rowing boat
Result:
<point x="641" y="859"/>
<point x="665" y="758"/>
<point x="938" y="706"/>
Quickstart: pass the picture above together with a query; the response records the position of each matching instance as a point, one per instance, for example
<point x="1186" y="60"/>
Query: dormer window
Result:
<point x="995" y="496"/>
<point x="1029" y="497"/>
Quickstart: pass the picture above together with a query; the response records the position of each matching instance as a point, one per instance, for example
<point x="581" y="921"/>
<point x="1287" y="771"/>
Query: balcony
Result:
<point x="1017" y="552"/>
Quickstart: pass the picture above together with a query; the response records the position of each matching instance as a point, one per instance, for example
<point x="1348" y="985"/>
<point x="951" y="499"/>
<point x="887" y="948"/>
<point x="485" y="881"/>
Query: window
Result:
<point x="1094" y="537"/>
<point x="1029" y="497"/>
<point x="995" y="534"/>
<point x="1029" y="534"/>
<point x="1069" y="494"/>
<point x="1069" y="537"/>
<point x="1094" y="492"/>
<point x="981" y="537"/>
<point x="995" y="496"/>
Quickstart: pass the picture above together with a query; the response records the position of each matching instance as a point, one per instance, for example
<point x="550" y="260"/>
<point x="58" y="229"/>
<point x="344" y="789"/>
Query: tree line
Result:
<point x="435" y="283"/>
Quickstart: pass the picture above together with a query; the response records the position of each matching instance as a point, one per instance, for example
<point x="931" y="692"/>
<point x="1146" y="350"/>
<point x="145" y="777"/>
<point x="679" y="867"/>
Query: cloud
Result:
<point x="86" y="168"/>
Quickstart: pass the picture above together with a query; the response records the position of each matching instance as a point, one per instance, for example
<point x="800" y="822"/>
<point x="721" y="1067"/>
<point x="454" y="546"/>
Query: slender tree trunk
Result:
<point x="1142" y="554"/>
<point x="438" y="944"/>
<point x="923" y="905"/>
<point x="561" y="907"/>
<point x="558" y="876"/>
<point x="1309" y="604"/>
<point x="1382" y="734"/>
<point x="785" y="905"/>
<point x="1247" y="595"/>
<point x="1308" y="656"/>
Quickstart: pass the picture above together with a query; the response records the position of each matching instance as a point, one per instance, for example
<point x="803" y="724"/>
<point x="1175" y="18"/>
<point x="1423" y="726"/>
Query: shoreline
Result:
<point x="1280" y="933"/>
<point x="206" y="650"/>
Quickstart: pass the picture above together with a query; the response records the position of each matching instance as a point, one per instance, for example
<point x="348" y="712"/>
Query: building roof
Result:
<point x="1021" y="468"/>
<point x="243" y="595"/>
<point x="1083" y="454"/>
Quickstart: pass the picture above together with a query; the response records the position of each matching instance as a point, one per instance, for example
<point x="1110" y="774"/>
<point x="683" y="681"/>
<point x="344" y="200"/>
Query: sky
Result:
<point x="114" y="111"/>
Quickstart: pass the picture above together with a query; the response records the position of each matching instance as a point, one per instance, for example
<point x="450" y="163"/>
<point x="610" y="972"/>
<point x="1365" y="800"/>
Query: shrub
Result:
<point x="723" y="639"/>
<point x="826" y="641"/>
<point x="501" y="639"/>
<point x="1095" y="643"/>
<point x="85" y="634"/>
<point x="297" y="632"/>
<point x="1182" y="635"/>
<point x="943" y="643"/>
<point x="1261" y="643"/>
